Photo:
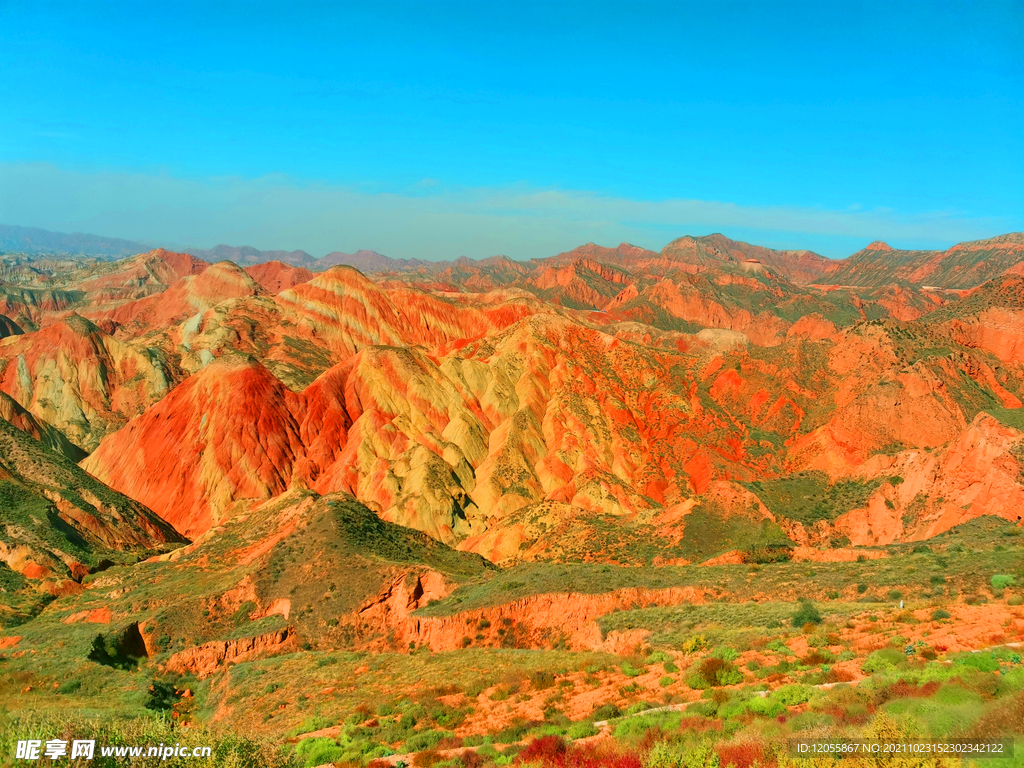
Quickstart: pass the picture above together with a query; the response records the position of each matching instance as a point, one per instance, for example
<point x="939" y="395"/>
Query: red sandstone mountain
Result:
<point x="81" y="380"/>
<point x="184" y="298"/>
<point x="965" y="265"/>
<point x="275" y="276"/>
<point x="224" y="433"/>
<point x="455" y="398"/>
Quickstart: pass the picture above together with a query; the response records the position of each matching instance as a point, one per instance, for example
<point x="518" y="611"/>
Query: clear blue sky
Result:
<point x="437" y="129"/>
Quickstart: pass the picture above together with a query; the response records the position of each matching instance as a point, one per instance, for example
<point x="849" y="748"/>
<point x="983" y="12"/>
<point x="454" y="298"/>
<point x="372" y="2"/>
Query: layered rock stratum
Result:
<point x="563" y="408"/>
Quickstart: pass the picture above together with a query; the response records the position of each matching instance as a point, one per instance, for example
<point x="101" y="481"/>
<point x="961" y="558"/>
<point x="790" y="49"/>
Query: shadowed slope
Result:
<point x="59" y="520"/>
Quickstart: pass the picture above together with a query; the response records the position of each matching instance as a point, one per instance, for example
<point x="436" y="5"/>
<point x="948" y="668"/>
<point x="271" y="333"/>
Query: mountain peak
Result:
<point x="878" y="245"/>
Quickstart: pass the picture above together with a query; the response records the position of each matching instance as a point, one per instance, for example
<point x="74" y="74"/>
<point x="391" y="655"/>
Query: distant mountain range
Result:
<point x="962" y="266"/>
<point x="363" y="260"/>
<point x="14" y="239"/>
<point x="36" y="242"/>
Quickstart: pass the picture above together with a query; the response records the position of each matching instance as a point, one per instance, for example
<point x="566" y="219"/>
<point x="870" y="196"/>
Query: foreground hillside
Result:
<point x="444" y="509"/>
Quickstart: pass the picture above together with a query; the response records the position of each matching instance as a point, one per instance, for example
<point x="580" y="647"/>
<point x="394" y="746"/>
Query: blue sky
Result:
<point x="439" y="129"/>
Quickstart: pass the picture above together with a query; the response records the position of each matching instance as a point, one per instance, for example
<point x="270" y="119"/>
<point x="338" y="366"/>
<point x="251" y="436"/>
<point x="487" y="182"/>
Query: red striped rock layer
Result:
<point x="81" y="380"/>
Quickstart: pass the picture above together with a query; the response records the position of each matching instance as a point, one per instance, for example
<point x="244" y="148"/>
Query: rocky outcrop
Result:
<point x="81" y="380"/>
<point x="980" y="473"/>
<point x="532" y="622"/>
<point x="204" y="660"/>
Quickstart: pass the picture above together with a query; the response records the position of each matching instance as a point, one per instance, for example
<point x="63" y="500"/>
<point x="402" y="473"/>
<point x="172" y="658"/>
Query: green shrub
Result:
<point x="630" y="671"/>
<point x="769" y="706"/>
<point x="324" y="754"/>
<point x="794" y="694"/>
<point x="307" y="747"/>
<point x="422" y="740"/>
<point x="806" y="614"/>
<point x="666" y="755"/>
<point x="713" y="672"/>
<point x="606" y="712"/>
<point x="982" y="661"/>
<point x="581" y="730"/>
<point x="939" y="614"/>
<point x="69" y="686"/>
<point x="725" y="653"/>
<point x="1002" y="581"/>
<point x="779" y="647"/>
<point x="883" y="659"/>
<point x="666" y="681"/>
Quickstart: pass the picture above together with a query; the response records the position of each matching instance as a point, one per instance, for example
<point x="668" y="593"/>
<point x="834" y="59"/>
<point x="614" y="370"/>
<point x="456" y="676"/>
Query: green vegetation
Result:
<point x="809" y="496"/>
<point x="231" y="749"/>
<point x="806" y="614"/>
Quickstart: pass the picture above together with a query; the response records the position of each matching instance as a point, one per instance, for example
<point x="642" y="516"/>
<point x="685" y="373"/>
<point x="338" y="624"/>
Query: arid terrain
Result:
<point x="614" y="508"/>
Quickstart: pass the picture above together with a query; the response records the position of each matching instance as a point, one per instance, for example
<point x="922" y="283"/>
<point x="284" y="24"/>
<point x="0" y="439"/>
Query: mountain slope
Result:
<point x="60" y="522"/>
<point x="965" y="265"/>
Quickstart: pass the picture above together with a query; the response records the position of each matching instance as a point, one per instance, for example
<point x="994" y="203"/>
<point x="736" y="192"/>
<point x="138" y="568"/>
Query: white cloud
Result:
<point x="430" y="220"/>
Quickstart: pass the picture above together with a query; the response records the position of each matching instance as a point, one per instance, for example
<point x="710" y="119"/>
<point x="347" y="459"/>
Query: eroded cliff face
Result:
<point x="980" y="473"/>
<point x="538" y="621"/>
<point x="209" y="658"/>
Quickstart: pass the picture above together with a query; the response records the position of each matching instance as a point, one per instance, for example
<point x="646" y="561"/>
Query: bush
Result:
<point x="806" y="614"/>
<point x="422" y="740"/>
<point x="317" y="751"/>
<point x="69" y="686"/>
<point x="725" y="653"/>
<point x="742" y="755"/>
<point x="630" y="671"/>
<point x="769" y="706"/>
<point x="886" y="658"/>
<point x="1002" y="581"/>
<point x="713" y="672"/>
<point x="984" y="662"/>
<point x="607" y="712"/>
<point x="665" y="755"/>
<point x="694" y="644"/>
<point x="794" y="694"/>
<point x="939" y="615"/>
<point x="1016" y="600"/>
<point x="545" y="750"/>
<point x="541" y="680"/>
